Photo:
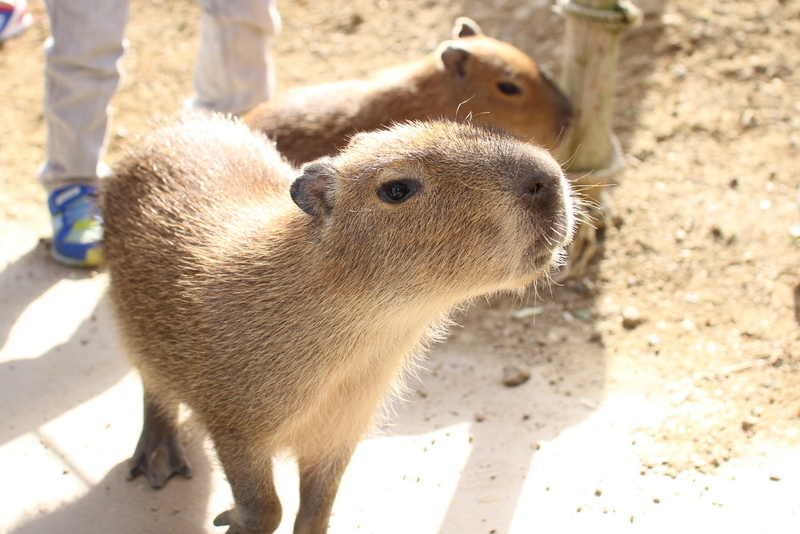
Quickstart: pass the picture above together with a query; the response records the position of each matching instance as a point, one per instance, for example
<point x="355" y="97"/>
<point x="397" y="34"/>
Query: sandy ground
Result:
<point x="687" y="417"/>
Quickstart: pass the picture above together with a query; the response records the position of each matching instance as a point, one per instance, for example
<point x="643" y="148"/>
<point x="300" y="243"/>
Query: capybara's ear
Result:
<point x="312" y="191"/>
<point x="466" y="27"/>
<point x="454" y="59"/>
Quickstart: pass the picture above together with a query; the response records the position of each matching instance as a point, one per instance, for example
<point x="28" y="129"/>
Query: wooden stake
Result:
<point x="589" y="66"/>
<point x="590" y="62"/>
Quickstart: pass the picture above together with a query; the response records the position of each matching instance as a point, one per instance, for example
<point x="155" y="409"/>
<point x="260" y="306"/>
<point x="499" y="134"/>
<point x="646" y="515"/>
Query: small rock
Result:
<point x="748" y="119"/>
<point x="672" y="19"/>
<point x="631" y="318"/>
<point x="524" y="313"/>
<point x="679" y="71"/>
<point x="775" y="478"/>
<point x="479" y="417"/>
<point x="598" y="492"/>
<point x="748" y="424"/>
<point x="514" y="376"/>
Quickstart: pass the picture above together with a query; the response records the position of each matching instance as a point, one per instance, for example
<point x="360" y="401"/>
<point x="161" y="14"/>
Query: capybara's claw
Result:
<point x="223" y="519"/>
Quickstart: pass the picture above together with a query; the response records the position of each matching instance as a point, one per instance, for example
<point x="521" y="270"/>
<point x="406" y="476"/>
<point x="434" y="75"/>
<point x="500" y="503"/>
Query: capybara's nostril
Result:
<point x="536" y="187"/>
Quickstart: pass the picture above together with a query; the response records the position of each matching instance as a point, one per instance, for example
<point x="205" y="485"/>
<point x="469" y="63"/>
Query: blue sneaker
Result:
<point x="14" y="18"/>
<point x="77" y="225"/>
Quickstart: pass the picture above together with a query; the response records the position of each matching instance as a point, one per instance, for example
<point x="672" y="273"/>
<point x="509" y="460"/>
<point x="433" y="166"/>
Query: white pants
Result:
<point x="83" y="69"/>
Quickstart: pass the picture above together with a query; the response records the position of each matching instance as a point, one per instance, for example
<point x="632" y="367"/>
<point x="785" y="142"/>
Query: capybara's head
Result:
<point x="440" y="207"/>
<point x="502" y="86"/>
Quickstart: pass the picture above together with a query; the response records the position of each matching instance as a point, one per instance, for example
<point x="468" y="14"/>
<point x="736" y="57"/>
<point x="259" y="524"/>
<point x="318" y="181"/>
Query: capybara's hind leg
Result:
<point x="319" y="482"/>
<point x="248" y="467"/>
<point x="159" y="453"/>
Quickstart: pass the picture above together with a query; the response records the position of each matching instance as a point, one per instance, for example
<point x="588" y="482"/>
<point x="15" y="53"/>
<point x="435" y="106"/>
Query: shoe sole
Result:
<point x="94" y="258"/>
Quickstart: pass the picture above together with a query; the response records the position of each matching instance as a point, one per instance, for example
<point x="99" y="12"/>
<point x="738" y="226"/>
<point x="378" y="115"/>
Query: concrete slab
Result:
<point x="463" y="455"/>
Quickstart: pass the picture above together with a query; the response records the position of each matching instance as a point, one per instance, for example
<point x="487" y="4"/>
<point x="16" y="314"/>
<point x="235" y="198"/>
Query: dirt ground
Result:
<point x="692" y="304"/>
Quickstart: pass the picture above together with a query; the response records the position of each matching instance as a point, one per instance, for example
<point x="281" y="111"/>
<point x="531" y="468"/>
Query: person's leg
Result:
<point x="233" y="71"/>
<point x="82" y="72"/>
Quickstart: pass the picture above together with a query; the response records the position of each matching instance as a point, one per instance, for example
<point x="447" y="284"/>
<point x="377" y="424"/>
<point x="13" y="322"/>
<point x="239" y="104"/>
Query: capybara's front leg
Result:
<point x="257" y="509"/>
<point x="159" y="453"/>
<point x="319" y="482"/>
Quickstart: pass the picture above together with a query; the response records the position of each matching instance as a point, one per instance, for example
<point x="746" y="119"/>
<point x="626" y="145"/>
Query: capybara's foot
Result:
<point x="158" y="461"/>
<point x="159" y="453"/>
<point x="265" y="524"/>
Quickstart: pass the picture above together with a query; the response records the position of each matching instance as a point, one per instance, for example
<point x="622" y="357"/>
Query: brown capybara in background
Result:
<point x="281" y="305"/>
<point x="498" y="84"/>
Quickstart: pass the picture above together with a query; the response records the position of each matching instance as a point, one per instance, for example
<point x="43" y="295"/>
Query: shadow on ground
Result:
<point x="462" y="383"/>
<point x="116" y="505"/>
<point x="35" y="390"/>
<point x="25" y="280"/>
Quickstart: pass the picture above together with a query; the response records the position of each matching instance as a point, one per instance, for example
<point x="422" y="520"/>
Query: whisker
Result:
<point x="458" y="109"/>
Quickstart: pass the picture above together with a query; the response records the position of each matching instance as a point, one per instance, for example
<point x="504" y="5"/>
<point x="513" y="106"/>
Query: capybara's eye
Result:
<point x="397" y="191"/>
<point x="509" y="88"/>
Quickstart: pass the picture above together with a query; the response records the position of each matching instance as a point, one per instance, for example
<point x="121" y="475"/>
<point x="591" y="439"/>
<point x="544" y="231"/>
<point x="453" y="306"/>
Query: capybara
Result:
<point x="283" y="305"/>
<point x="495" y="82"/>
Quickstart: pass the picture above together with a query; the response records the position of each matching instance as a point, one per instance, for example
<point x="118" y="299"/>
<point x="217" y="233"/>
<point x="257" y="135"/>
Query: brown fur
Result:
<point x="460" y="77"/>
<point x="283" y="328"/>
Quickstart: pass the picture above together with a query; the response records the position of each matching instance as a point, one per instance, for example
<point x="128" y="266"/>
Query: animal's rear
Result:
<point x="178" y="190"/>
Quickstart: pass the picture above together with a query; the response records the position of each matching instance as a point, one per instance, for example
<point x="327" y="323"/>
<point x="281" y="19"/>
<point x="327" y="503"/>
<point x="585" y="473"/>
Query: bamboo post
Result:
<point x="591" y="50"/>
